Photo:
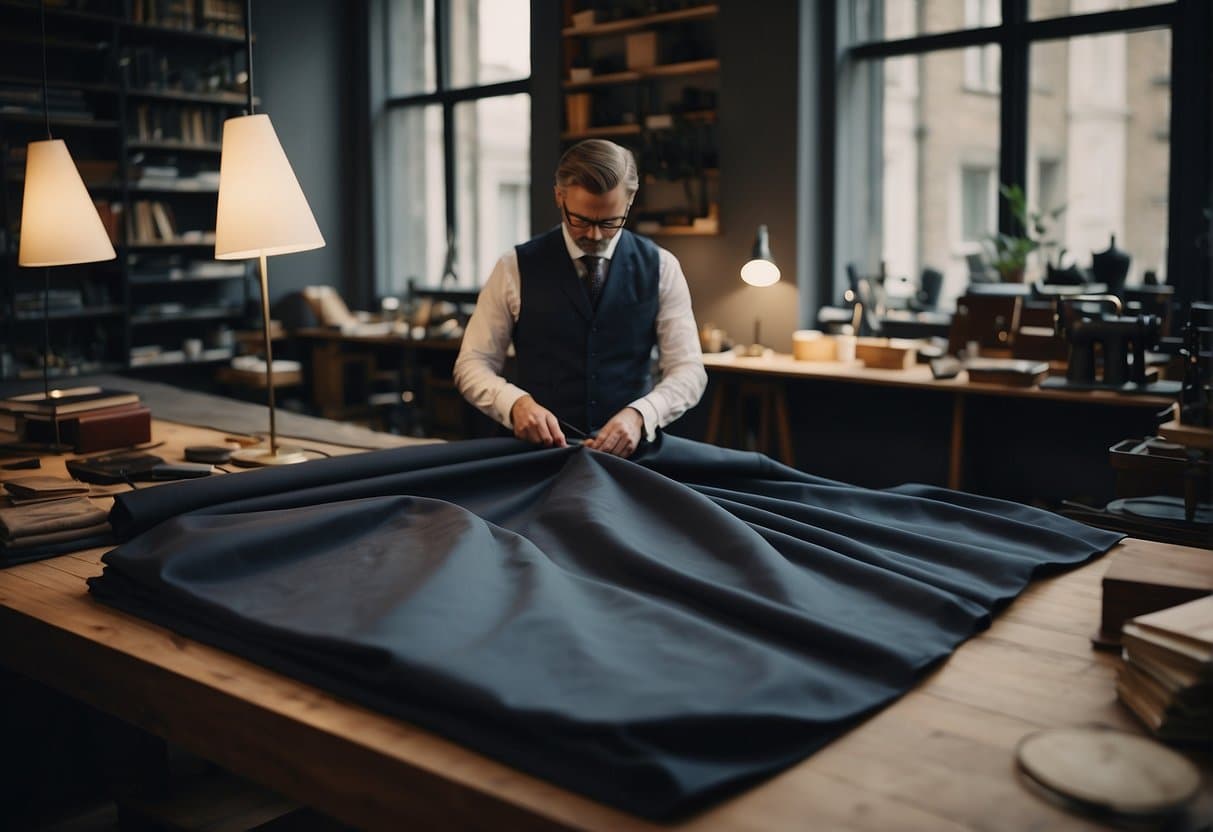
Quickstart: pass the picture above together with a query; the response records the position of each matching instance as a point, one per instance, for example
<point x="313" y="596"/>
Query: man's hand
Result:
<point x="535" y="423"/>
<point x="621" y="435"/>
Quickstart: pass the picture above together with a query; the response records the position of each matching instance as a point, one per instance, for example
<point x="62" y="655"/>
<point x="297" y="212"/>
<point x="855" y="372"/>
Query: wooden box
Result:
<point x="811" y="345"/>
<point x="1144" y="580"/>
<point x="886" y="353"/>
<point x="641" y="49"/>
<point x="577" y="112"/>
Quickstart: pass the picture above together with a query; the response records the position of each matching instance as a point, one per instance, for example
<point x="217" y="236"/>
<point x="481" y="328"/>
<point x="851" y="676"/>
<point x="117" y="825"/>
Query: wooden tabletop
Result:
<point x="940" y="758"/>
<point x="782" y="365"/>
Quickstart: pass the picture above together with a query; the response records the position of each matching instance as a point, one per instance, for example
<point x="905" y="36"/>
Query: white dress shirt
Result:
<point x="490" y="332"/>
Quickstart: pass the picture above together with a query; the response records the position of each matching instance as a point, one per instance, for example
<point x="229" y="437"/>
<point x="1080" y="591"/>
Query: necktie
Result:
<point x="595" y="276"/>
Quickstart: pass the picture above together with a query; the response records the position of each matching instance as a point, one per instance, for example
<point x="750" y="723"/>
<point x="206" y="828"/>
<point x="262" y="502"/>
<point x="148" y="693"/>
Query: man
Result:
<point x="584" y="304"/>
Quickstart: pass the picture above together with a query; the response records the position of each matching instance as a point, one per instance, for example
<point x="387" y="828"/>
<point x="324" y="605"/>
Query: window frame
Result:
<point x="1188" y="194"/>
<point x="446" y="96"/>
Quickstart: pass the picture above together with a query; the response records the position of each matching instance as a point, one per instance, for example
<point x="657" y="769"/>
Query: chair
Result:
<point x="990" y="320"/>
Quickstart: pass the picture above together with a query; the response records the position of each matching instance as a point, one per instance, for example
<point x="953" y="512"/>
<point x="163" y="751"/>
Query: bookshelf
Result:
<point x="139" y="89"/>
<point x="649" y="81"/>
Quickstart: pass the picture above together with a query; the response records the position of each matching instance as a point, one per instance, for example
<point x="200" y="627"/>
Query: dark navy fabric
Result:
<point x="582" y="361"/>
<point x="654" y="633"/>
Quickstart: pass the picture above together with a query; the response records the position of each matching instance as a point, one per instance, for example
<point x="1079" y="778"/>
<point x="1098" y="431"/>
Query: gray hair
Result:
<point x="598" y="166"/>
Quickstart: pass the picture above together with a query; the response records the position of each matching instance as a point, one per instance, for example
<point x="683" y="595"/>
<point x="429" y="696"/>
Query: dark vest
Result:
<point x="585" y="365"/>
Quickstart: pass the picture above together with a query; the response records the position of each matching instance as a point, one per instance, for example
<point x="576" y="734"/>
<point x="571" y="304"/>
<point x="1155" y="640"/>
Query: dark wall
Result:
<point x="310" y="83"/>
<point x="759" y="112"/>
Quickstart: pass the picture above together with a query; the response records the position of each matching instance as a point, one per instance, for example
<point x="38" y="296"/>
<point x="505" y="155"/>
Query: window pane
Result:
<point x="1098" y="144"/>
<point x="937" y="186"/>
<point x="490" y="41"/>
<point x="907" y="18"/>
<point x="416" y="209"/>
<point x="493" y="178"/>
<point x="410" y="47"/>
<point x="1038" y="9"/>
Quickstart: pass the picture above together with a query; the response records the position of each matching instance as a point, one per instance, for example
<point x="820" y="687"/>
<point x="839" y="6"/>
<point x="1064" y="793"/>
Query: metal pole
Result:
<point x="269" y="353"/>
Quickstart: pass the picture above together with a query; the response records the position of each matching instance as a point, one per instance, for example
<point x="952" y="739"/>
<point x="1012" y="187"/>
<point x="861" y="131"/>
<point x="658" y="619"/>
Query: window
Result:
<point x="453" y="140"/>
<point x="941" y="102"/>
<point x="981" y="62"/>
<point x="978" y="206"/>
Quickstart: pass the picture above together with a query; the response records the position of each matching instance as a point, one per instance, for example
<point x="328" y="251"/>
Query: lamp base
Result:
<point x="261" y="455"/>
<point x="755" y="351"/>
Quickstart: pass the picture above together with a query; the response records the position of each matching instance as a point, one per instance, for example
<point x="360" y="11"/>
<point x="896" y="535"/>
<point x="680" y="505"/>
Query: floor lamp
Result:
<point x="60" y="225"/>
<point x="262" y="212"/>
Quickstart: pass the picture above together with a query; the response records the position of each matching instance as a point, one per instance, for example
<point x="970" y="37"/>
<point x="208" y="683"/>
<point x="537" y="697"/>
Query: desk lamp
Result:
<point x="59" y="223"/>
<point x="760" y="271"/>
<point x="262" y="212"/>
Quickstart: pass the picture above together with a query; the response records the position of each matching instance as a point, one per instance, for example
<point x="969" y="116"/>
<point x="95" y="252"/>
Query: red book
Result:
<point x="96" y="430"/>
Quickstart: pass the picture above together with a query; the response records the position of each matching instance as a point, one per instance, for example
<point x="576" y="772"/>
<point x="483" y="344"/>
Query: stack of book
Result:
<point x="88" y="418"/>
<point x="1167" y="677"/>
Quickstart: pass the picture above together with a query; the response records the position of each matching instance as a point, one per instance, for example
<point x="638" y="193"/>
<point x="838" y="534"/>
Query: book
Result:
<point x="1147" y="579"/>
<point x="123" y="426"/>
<point x="1168" y="650"/>
<point x="68" y="401"/>
<point x="1191" y="622"/>
<point x="42" y="485"/>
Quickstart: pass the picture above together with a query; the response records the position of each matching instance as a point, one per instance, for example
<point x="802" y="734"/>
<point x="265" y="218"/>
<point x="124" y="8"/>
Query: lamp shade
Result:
<point x="262" y="209"/>
<point x="761" y="269"/>
<point x="59" y="223"/>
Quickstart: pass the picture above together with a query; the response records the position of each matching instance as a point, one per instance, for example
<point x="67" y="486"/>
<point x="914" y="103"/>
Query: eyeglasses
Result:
<point x="579" y="222"/>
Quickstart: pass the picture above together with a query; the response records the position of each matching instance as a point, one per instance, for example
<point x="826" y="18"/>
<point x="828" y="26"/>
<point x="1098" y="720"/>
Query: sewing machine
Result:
<point x="1107" y="350"/>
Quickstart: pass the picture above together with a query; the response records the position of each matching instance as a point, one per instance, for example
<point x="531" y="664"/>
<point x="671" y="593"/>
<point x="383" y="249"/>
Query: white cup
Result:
<point x="845" y="346"/>
<point x="192" y="347"/>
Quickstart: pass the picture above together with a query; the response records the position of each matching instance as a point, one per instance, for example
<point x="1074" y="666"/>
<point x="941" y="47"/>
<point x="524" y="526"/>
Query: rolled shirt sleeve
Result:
<point x="680" y="359"/>
<point x="486" y="343"/>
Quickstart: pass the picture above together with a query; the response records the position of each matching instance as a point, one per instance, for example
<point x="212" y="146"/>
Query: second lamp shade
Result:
<point x="262" y="209"/>
<point x="59" y="223"/>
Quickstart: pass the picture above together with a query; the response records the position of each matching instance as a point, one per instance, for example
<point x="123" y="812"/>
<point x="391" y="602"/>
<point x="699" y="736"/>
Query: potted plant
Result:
<point x="1008" y="254"/>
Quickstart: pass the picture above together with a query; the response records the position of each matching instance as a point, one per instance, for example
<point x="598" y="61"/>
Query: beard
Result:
<point x="589" y="246"/>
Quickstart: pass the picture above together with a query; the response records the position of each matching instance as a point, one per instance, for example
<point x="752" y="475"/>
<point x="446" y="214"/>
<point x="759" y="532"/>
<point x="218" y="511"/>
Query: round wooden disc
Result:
<point x="1109" y="770"/>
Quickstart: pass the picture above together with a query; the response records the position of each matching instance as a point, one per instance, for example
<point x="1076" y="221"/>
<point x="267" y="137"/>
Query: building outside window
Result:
<point x="452" y="138"/>
<point x="924" y="142"/>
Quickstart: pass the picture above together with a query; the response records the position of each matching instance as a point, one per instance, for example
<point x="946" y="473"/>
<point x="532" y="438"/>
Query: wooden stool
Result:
<point x="727" y="419"/>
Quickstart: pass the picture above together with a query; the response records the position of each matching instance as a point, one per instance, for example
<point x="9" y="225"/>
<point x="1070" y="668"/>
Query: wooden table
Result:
<point x="331" y="352"/>
<point x="940" y="758"/>
<point x="776" y="370"/>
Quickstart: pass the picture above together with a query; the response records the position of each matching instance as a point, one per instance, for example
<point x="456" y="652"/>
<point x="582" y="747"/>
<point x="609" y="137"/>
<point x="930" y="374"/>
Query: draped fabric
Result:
<point x="654" y="633"/>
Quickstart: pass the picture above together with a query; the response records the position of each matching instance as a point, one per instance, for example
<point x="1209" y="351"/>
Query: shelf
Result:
<point x="32" y="81"/>
<point x="55" y="43"/>
<point x="76" y="371"/>
<point x="633" y="76"/>
<point x="168" y="245"/>
<point x="175" y="147"/>
<point x="615" y="27"/>
<point x="684" y="231"/>
<point x="234" y="99"/>
<point x="104" y="311"/>
<point x="598" y="132"/>
<point x="176" y="358"/>
<point x="63" y="14"/>
<point x="154" y="32"/>
<point x="61" y="121"/>
<point x="158" y="280"/>
<point x="213" y="315"/>
<point x="685" y="68"/>
<point x="210" y="190"/>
